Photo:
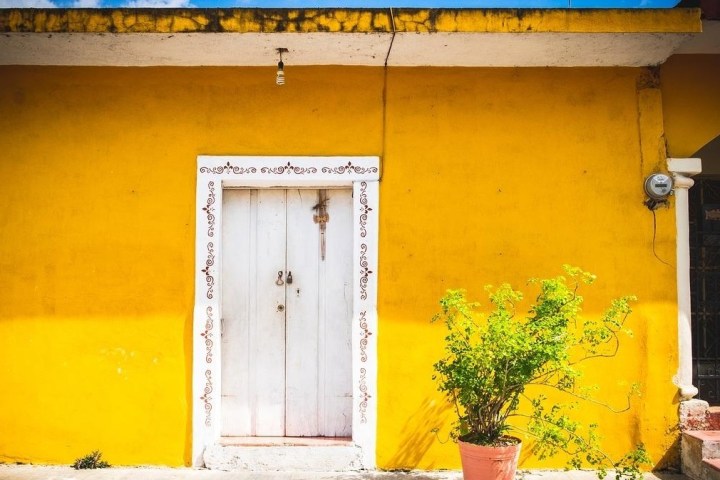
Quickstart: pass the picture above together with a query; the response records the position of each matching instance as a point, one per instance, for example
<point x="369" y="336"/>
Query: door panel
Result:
<point x="237" y="290"/>
<point x="268" y="325"/>
<point x="253" y="366"/>
<point x="286" y="371"/>
<point x="336" y="311"/>
<point x="302" y="315"/>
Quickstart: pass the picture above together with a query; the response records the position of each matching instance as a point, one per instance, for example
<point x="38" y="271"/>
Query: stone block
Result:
<point x="712" y="468"/>
<point x="696" y="448"/>
<point x="693" y="415"/>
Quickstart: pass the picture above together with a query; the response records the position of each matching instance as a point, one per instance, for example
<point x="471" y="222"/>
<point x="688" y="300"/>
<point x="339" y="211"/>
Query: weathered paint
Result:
<point x="678" y="20"/>
<point x="353" y="37"/>
<point x="489" y="175"/>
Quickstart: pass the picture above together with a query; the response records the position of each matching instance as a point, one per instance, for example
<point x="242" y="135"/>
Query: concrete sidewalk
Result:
<point x="36" y="472"/>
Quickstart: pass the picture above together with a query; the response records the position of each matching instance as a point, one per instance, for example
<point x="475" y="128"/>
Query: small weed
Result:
<point x="92" y="460"/>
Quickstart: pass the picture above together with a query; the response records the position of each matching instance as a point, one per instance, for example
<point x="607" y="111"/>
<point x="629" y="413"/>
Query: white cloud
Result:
<point x="154" y="3"/>
<point x="85" y="3"/>
<point x="27" y="4"/>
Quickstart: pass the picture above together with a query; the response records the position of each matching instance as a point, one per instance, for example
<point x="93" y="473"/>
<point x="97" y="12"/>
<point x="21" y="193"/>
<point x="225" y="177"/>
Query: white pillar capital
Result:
<point x="685" y="167"/>
<point x="682" y="182"/>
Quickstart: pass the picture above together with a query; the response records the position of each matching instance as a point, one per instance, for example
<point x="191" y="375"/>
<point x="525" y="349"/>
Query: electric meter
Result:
<point x="658" y="186"/>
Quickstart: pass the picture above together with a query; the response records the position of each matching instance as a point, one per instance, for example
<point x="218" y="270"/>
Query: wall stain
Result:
<point x="369" y="20"/>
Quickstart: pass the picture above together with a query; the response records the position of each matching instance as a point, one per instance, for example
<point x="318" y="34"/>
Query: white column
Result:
<point x="682" y="169"/>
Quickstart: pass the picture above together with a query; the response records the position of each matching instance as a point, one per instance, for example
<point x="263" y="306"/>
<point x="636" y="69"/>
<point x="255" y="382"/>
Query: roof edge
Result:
<point x="341" y="20"/>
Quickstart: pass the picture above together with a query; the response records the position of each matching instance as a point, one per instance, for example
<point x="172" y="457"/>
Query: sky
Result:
<point x="339" y="3"/>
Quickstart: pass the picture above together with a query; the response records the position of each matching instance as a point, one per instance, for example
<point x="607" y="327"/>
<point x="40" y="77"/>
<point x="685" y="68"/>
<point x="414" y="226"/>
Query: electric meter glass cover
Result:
<point x="658" y="186"/>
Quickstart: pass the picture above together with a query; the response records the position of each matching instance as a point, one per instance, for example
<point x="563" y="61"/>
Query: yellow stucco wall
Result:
<point x="97" y="228"/>
<point x="489" y="175"/>
<point x="691" y="102"/>
<point x="498" y="175"/>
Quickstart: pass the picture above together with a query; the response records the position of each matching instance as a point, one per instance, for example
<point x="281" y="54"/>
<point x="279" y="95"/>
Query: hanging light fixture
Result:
<point x="280" y="76"/>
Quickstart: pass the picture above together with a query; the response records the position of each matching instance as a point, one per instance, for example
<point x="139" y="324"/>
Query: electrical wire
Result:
<point x="384" y="94"/>
<point x="653" y="241"/>
<point x="392" y="39"/>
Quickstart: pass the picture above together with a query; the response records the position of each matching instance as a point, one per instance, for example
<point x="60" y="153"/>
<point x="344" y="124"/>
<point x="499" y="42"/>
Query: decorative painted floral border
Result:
<point x="364" y="341"/>
<point x="216" y="173"/>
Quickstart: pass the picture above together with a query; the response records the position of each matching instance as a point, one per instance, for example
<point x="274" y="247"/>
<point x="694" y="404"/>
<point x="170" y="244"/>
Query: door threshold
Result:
<point x="286" y="441"/>
<point x="264" y="454"/>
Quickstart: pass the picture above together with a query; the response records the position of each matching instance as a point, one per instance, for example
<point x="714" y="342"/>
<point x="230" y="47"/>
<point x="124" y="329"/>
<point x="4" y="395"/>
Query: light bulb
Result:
<point x="280" y="77"/>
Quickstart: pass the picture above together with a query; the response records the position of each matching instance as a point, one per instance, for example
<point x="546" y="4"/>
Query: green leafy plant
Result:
<point x="92" y="460"/>
<point x="492" y="359"/>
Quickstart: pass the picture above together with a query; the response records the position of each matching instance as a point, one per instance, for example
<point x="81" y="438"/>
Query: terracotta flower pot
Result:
<point x="489" y="463"/>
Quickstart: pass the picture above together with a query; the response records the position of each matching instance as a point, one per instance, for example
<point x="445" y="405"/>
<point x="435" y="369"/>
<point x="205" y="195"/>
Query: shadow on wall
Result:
<point x="429" y="423"/>
<point x="670" y="461"/>
<point x="710" y="155"/>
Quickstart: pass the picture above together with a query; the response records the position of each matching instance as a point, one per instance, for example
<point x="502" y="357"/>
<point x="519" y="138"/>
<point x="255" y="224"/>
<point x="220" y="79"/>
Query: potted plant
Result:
<point x="495" y="362"/>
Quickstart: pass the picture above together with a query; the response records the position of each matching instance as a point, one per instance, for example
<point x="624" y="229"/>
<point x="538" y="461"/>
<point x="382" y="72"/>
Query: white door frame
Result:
<point x="218" y="172"/>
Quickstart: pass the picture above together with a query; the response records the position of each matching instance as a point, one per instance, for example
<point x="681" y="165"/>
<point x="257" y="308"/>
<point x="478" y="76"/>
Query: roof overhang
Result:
<point x="371" y="37"/>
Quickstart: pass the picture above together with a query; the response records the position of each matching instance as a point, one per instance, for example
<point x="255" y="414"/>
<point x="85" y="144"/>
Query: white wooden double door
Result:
<point x="286" y="353"/>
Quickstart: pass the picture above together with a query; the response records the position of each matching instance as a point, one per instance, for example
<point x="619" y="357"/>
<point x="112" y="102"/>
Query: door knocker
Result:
<point x="279" y="280"/>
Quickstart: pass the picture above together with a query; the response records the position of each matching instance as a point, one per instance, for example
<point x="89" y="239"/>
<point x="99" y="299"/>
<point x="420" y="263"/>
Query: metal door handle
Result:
<point x="279" y="280"/>
<point x="289" y="278"/>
